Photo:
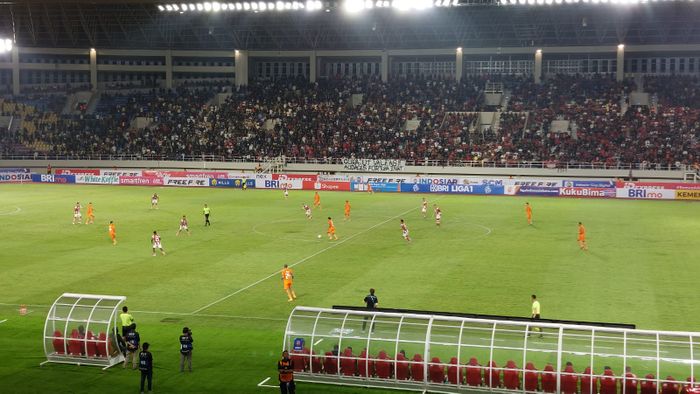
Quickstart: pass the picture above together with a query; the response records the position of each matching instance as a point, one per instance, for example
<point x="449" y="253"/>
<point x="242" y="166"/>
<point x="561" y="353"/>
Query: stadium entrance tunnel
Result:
<point x="82" y="329"/>
<point x="452" y="354"/>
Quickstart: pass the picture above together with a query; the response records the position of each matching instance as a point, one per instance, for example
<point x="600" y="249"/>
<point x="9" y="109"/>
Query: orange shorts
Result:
<point x="331" y="230"/>
<point x="581" y="237"/>
<point x="347" y="213"/>
<point x="112" y="235"/>
<point x="287" y="284"/>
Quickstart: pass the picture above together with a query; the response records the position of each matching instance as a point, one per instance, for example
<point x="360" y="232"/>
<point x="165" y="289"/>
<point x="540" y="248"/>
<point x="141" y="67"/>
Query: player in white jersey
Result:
<point x="77" y="216"/>
<point x="183" y="226"/>
<point x="438" y="215"/>
<point x="424" y="208"/>
<point x="155" y="241"/>
<point x="404" y="231"/>
<point x="154" y="201"/>
<point x="307" y="211"/>
<point x="286" y="192"/>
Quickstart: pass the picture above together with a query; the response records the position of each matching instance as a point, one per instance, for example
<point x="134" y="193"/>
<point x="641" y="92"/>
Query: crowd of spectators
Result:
<point x="412" y="118"/>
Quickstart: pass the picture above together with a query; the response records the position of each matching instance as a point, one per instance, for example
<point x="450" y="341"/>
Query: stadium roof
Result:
<point x="139" y="24"/>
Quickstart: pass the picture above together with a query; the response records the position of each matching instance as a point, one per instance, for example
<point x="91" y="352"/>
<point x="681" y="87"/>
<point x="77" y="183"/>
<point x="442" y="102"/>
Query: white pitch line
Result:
<point x="2" y="321"/>
<point x="8" y="213"/>
<point x="302" y="261"/>
<point x="264" y="381"/>
<point x="319" y="341"/>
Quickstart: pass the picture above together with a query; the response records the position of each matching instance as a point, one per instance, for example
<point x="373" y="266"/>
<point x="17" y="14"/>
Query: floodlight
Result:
<point x="200" y="7"/>
<point x="176" y="7"/>
<point x="239" y="6"/>
<point x="455" y="2"/>
<point x="161" y="8"/>
<point x="621" y="46"/>
<point x="254" y="6"/>
<point x="183" y="7"/>
<point x="287" y="5"/>
<point x="224" y="7"/>
<point x="207" y="6"/>
<point x="270" y="6"/>
<point x="192" y="7"/>
<point x="216" y="6"/>
<point x="539" y="51"/>
<point x="246" y="6"/>
<point x="262" y="6"/>
<point x="549" y="2"/>
<point x="5" y="45"/>
<point x="168" y="7"/>
<point x="353" y="6"/>
<point x="279" y="5"/>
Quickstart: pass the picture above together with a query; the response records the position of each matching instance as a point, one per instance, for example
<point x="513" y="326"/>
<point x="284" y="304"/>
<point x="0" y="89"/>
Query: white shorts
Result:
<point x="154" y="202"/>
<point x="438" y="217"/>
<point x="405" y="234"/>
<point x="157" y="245"/>
<point x="423" y="210"/>
<point x="77" y="215"/>
<point x="183" y="227"/>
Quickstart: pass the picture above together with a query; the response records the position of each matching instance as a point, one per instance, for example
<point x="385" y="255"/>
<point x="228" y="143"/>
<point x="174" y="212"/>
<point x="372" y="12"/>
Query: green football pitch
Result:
<point x="643" y="267"/>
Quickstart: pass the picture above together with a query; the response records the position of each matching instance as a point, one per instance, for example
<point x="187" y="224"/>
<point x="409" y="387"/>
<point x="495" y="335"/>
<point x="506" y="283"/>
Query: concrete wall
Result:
<point x="40" y="166"/>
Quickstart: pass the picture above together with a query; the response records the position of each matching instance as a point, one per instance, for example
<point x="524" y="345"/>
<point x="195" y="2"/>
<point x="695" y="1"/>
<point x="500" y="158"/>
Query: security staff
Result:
<point x="285" y="367"/>
<point x="206" y="211"/>
<point x="186" y="349"/>
<point x="146" y="367"/>
<point x="127" y="320"/>
<point x="371" y="301"/>
<point x="133" y="340"/>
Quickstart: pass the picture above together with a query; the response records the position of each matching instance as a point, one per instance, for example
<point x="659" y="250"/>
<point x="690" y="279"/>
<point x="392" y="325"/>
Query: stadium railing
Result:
<point x="339" y="161"/>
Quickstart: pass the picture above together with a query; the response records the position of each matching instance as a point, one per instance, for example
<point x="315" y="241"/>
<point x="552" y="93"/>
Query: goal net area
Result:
<point x="82" y="329"/>
<point x="452" y="354"/>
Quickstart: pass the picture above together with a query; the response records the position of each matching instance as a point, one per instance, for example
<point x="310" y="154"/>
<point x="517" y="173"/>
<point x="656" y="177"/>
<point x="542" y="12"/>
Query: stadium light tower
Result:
<point x="6" y="45"/>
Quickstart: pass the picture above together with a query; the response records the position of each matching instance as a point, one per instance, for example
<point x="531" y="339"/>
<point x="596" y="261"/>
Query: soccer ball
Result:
<point x="319" y="236"/>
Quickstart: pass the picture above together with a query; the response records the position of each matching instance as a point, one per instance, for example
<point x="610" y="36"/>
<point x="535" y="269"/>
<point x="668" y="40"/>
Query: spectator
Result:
<point x="186" y="349"/>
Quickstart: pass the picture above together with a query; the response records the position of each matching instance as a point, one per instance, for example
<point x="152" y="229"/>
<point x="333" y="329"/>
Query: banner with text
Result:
<point x="76" y="171"/>
<point x="46" y="178"/>
<point x="140" y="180"/>
<point x="327" y="185"/>
<point x="15" y="177"/>
<point x="373" y="165"/>
<point x="17" y="170"/>
<point x="267" y="181"/>
<point x="97" y="179"/>
<point x="232" y="182"/>
<point x="588" y="192"/>
<point x="185" y="182"/>
<point x="121" y="172"/>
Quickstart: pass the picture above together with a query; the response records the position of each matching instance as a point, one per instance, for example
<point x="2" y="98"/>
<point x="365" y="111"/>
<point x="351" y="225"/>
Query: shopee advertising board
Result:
<point x="327" y="185"/>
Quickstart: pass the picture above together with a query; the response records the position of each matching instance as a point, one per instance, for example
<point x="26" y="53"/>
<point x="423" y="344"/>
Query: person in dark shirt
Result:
<point x="285" y="367"/>
<point x="371" y="301"/>
<point x="133" y="339"/>
<point x="146" y="367"/>
<point x="186" y="349"/>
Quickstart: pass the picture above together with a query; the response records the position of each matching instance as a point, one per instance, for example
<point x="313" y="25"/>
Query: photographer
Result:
<point x="186" y="349"/>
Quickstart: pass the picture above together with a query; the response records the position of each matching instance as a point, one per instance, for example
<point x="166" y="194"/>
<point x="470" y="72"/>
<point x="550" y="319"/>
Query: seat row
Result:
<point x="474" y="374"/>
<point x="81" y="344"/>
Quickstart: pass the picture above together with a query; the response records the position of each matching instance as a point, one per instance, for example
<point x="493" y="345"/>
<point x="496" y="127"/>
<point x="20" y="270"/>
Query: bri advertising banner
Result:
<point x="141" y="181"/>
<point x="12" y="177"/>
<point x="46" y="178"/>
<point x="452" y="189"/>
<point x="97" y="179"/>
<point x="230" y="182"/>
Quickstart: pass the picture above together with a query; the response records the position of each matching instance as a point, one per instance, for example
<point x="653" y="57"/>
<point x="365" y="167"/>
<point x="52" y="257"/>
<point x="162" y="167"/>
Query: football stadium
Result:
<point x="350" y="196"/>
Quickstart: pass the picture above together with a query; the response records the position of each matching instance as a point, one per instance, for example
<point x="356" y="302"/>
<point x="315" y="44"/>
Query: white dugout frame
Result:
<point x="661" y="353"/>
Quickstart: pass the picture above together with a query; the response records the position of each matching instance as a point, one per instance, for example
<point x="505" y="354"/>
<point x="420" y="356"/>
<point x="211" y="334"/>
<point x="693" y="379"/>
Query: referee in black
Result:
<point x="371" y="301"/>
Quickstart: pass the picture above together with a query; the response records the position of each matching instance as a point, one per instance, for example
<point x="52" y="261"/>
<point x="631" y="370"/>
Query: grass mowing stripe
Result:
<point x="302" y="261"/>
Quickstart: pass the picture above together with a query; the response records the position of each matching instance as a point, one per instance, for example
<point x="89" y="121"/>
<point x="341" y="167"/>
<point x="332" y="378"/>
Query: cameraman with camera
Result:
<point x="186" y="349"/>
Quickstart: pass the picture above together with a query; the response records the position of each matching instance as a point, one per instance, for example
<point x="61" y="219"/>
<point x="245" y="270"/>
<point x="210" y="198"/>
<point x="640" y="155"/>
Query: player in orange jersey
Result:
<point x="90" y="214"/>
<point x="287" y="279"/>
<point x="369" y="188"/>
<point x="404" y="231"/>
<point x="331" y="229"/>
<point x="582" y="237"/>
<point x="112" y="232"/>
<point x="528" y="213"/>
<point x="317" y="200"/>
<point x="347" y="210"/>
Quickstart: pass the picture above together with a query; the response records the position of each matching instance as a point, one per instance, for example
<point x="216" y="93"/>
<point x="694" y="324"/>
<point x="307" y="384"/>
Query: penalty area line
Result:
<point x="2" y="321"/>
<point x="262" y="384"/>
<point x="307" y="258"/>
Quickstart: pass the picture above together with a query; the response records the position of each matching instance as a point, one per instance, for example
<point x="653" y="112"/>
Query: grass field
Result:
<point x="642" y="268"/>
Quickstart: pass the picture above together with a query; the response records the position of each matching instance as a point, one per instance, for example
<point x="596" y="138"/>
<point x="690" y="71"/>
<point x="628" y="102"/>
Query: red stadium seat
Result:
<point x="569" y="383"/>
<point x="102" y="346"/>
<point x="511" y="376"/>
<point x="330" y="364"/>
<point x="549" y="379"/>
<point x="532" y="377"/>
<point x="384" y="366"/>
<point x="91" y="346"/>
<point x="299" y="360"/>
<point x="608" y="383"/>
<point x="58" y="342"/>
<point x="348" y="366"/>
<point x="365" y="367"/>
<point x="689" y="387"/>
<point x="436" y="371"/>
<point x="316" y="363"/>
<point x="417" y="373"/>
<point x="631" y="384"/>
<point x="648" y="385"/>
<point x="474" y="373"/>
<point x="589" y="383"/>
<point x="670" y="387"/>
<point x="75" y="347"/>
<point x="455" y="373"/>
<point x="493" y="375"/>
<point x="401" y="367"/>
